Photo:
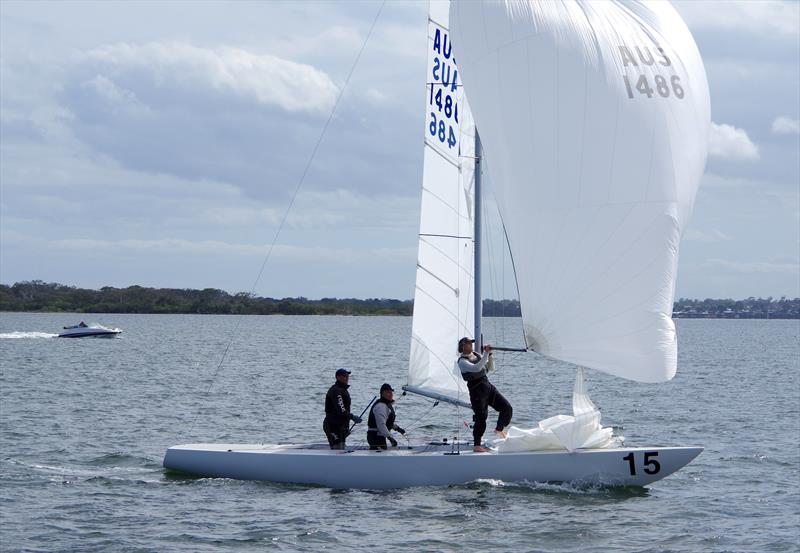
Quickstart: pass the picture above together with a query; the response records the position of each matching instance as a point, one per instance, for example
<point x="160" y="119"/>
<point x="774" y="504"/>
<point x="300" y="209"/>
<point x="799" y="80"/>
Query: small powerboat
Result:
<point x="82" y="330"/>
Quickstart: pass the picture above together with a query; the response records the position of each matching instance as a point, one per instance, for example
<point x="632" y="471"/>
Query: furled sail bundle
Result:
<point x="594" y="119"/>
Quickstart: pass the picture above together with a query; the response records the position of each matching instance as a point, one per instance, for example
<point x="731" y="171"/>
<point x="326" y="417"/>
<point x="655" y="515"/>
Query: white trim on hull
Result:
<point x="425" y="465"/>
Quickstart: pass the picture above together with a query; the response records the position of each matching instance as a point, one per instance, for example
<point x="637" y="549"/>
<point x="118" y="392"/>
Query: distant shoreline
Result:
<point x="43" y="297"/>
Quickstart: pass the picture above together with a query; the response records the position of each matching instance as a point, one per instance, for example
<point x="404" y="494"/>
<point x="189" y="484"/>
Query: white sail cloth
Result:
<point x="443" y="298"/>
<point x="594" y="119"/>
<point x="582" y="430"/>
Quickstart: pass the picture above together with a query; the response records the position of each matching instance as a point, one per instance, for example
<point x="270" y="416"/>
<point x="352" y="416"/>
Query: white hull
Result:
<point x="89" y="332"/>
<point x="425" y="465"/>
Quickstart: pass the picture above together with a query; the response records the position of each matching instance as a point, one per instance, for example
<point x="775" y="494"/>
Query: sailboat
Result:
<point x="591" y="119"/>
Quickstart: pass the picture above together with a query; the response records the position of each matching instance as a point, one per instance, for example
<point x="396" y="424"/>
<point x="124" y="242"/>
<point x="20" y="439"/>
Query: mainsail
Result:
<point x="594" y="118"/>
<point x="443" y="298"/>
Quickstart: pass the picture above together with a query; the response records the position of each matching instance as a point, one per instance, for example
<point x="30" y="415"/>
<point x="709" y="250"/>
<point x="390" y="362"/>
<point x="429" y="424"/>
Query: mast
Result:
<point x="477" y="238"/>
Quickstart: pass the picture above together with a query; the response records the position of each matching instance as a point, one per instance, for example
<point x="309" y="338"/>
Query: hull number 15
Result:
<point x="651" y="466"/>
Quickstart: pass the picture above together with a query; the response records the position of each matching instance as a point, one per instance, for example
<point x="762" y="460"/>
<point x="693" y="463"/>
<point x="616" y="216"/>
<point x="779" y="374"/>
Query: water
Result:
<point x="85" y="423"/>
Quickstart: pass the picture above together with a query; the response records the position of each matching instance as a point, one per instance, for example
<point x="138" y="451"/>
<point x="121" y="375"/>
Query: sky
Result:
<point x="160" y="144"/>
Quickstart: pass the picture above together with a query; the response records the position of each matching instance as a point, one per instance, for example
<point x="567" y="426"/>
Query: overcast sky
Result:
<point x="159" y="143"/>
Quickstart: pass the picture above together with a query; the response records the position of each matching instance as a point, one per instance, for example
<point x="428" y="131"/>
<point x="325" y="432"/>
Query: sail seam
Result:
<point x="442" y="27"/>
<point x="445" y="236"/>
<point x="455" y="290"/>
<point x="431" y="352"/>
<point x="444" y="156"/>
<point x="445" y="202"/>
<point x="445" y="308"/>
<point x="454" y="261"/>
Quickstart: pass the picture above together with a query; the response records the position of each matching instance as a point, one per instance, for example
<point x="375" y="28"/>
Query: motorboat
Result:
<point x="94" y="330"/>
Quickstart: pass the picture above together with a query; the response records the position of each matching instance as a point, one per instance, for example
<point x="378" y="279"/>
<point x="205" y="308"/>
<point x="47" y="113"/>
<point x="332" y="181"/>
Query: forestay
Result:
<point x="594" y="118"/>
<point x="443" y="305"/>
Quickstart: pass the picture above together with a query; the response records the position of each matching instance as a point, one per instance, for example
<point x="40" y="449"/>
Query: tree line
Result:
<point x="52" y="297"/>
<point x="38" y="296"/>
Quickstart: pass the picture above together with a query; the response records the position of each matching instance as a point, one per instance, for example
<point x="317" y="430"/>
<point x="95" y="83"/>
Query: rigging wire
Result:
<point x="498" y="323"/>
<point x="416" y="423"/>
<point x="294" y="197"/>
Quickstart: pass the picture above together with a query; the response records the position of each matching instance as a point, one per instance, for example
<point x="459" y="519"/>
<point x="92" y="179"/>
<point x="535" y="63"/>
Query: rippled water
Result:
<point x="85" y="423"/>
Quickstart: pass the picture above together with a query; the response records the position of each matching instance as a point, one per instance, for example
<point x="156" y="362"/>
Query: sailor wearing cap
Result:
<point x="381" y="420"/>
<point x="337" y="411"/>
<point x="482" y="394"/>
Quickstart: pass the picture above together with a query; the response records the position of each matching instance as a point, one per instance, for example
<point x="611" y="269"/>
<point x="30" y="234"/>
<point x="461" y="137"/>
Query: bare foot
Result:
<point x="501" y="434"/>
<point x="480" y="449"/>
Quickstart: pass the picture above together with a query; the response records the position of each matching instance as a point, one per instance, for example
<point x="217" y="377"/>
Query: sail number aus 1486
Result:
<point x="443" y="90"/>
<point x="663" y="88"/>
<point x="653" y="56"/>
<point x="651" y="466"/>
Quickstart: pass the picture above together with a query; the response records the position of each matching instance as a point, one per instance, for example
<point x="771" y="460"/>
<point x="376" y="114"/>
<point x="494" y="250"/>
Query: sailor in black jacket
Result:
<point x="337" y="411"/>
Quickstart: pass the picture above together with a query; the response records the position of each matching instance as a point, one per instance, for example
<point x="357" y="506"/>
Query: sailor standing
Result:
<point x="337" y="411"/>
<point x="482" y="394"/>
<point x="381" y="420"/>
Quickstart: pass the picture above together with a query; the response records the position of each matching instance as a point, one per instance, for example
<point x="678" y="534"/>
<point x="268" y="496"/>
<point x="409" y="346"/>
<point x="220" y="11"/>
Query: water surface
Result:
<point x="85" y="423"/>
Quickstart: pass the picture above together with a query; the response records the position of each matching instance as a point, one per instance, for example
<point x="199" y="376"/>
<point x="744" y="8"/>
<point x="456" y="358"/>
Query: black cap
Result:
<point x="463" y="341"/>
<point x="342" y="372"/>
<point x="385" y="387"/>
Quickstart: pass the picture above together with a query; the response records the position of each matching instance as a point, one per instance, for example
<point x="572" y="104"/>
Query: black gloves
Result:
<point x="393" y="441"/>
<point x="399" y="429"/>
<point x="355" y="418"/>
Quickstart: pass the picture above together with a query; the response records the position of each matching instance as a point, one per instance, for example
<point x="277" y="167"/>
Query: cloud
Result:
<point x="786" y="125"/>
<point x="263" y="78"/>
<point x="176" y="246"/>
<point x="220" y="115"/>
<point x="755" y="267"/>
<point x="763" y="17"/>
<point x="233" y="116"/>
<point x="726" y="189"/>
<point x="729" y="142"/>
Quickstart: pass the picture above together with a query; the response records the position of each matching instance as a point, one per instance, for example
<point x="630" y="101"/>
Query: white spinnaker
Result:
<point x="594" y="119"/>
<point x="443" y="304"/>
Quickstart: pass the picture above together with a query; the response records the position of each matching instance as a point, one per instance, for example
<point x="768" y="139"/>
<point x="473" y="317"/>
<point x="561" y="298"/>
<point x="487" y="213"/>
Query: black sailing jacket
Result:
<point x="337" y="404"/>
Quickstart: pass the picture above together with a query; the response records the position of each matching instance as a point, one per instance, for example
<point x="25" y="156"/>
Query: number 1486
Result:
<point x="663" y="88"/>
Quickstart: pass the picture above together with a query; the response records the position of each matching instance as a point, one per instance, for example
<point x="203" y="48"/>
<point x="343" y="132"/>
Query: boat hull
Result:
<point x="425" y="465"/>
<point x="89" y="333"/>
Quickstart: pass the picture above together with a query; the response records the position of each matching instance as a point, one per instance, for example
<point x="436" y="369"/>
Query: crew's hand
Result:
<point x="356" y="419"/>
<point x="400" y="430"/>
<point x="487" y="348"/>
<point x="393" y="441"/>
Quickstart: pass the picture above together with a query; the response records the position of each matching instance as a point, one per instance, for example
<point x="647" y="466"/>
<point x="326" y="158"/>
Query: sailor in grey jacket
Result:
<point x="381" y="420"/>
<point x="482" y="394"/>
